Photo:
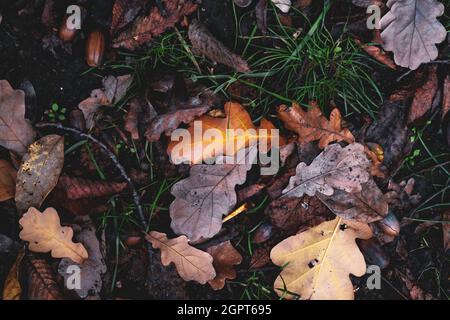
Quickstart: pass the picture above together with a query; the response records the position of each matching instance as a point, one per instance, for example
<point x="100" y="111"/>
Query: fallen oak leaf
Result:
<point x="45" y="234"/>
<point x="411" y="31"/>
<point x="144" y="29"/>
<point x="225" y="256"/>
<point x="7" y="181"/>
<point x="207" y="194"/>
<point x="204" y="43"/>
<point x="335" y="168"/>
<point x="16" y="132"/>
<point x="311" y="125"/>
<point x="191" y="263"/>
<point x="39" y="172"/>
<point x="317" y="262"/>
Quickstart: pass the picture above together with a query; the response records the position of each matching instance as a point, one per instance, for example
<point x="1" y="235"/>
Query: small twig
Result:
<point x="112" y="156"/>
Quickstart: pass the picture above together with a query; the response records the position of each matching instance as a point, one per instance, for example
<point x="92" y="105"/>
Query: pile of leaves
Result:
<point x="164" y="221"/>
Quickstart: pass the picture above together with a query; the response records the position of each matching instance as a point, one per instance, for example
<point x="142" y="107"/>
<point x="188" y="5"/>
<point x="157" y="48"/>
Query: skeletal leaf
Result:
<point x="91" y="269"/>
<point x="411" y="31"/>
<point x="191" y="263"/>
<point x="204" y="43"/>
<point x="7" y="181"/>
<point x="225" y="257"/>
<point x="312" y="125"/>
<point x="16" y="132"/>
<point x="44" y="233"/>
<point x="207" y="194"/>
<point x="39" y="172"/>
<point x="317" y="262"/>
<point x="12" y="289"/>
<point x="42" y="283"/>
<point x="335" y="168"/>
<point x="366" y="206"/>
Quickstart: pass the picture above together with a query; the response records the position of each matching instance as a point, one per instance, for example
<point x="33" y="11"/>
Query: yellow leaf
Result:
<point x="7" y="181"/>
<point x="12" y="289"/>
<point x="44" y="233"/>
<point x="317" y="262"/>
<point x="191" y="263"/>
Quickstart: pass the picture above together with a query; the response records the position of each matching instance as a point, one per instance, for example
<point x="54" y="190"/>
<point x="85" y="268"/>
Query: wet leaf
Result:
<point x="16" y="132"/>
<point x="312" y="125"/>
<point x="39" y="172"/>
<point x="45" y="234"/>
<point x="225" y="257"/>
<point x="317" y="262"/>
<point x="411" y="31"/>
<point x="191" y="263"/>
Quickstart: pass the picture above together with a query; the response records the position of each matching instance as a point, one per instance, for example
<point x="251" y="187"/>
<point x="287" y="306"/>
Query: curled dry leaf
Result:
<point x="16" y="132"/>
<point x="12" y="288"/>
<point x="317" y="262"/>
<point x="7" y="181"/>
<point x="411" y="30"/>
<point x="144" y="29"/>
<point x="204" y="43"/>
<point x="195" y="148"/>
<point x="44" y="233"/>
<point x="93" y="268"/>
<point x="335" y="168"/>
<point x="424" y="96"/>
<point x="207" y="194"/>
<point x="225" y="257"/>
<point x="39" y="172"/>
<point x="191" y="263"/>
<point x="367" y="205"/>
<point x="42" y="283"/>
<point x="312" y="125"/>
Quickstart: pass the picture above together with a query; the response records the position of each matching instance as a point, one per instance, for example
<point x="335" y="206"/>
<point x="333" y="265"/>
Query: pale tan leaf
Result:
<point x="16" y="132"/>
<point x="317" y="262"/>
<point x="39" y="172"/>
<point x="335" y="168"/>
<point x="191" y="263"/>
<point x="44" y="233"/>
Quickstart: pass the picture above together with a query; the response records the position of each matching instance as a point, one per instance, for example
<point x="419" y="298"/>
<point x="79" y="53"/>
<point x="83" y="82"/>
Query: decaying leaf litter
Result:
<point x="88" y="176"/>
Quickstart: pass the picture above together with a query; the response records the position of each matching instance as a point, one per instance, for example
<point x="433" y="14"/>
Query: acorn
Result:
<point x="95" y="48"/>
<point x="65" y="33"/>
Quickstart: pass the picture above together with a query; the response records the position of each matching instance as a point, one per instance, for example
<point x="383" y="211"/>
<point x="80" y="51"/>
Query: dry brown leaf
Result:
<point x="207" y="194"/>
<point x="191" y="263"/>
<point x="225" y="257"/>
<point x="317" y="262"/>
<point x="39" y="172"/>
<point x="12" y="289"/>
<point x="93" y="268"/>
<point x="204" y="43"/>
<point x="368" y="205"/>
<point x="16" y="132"/>
<point x="197" y="149"/>
<point x="7" y="181"/>
<point x="144" y="29"/>
<point x="312" y="125"/>
<point x="42" y="283"/>
<point x="411" y="30"/>
<point x="44" y="233"/>
<point x="124" y="12"/>
<point x="377" y="53"/>
<point x="424" y="96"/>
<point x="335" y="168"/>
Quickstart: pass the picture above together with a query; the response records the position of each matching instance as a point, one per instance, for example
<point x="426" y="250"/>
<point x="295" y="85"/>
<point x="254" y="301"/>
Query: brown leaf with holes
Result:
<point x="204" y="43"/>
<point x="312" y="125"/>
<point x="225" y="257"/>
<point x="191" y="263"/>
<point x="39" y="172"/>
<point x="144" y="29"/>
<point x="45" y="234"/>
<point x="16" y="132"/>
<point x="42" y="283"/>
<point x="424" y="96"/>
<point x="7" y="181"/>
